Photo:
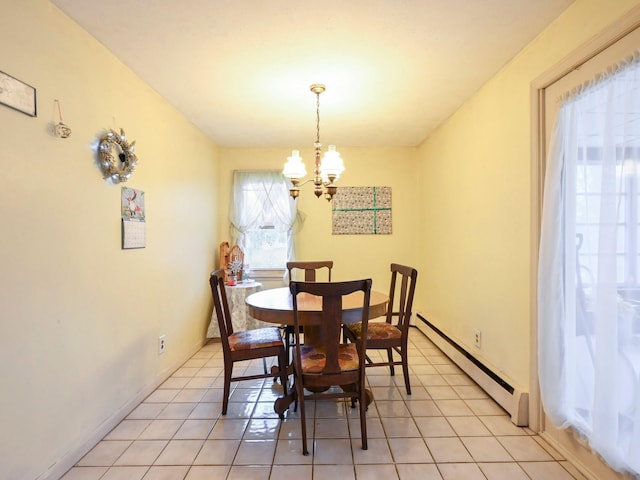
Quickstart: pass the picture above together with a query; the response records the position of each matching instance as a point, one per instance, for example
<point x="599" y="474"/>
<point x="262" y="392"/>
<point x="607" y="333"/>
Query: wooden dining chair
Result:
<point x="329" y="363"/>
<point x="389" y="335"/>
<point x="310" y="270"/>
<point x="246" y="344"/>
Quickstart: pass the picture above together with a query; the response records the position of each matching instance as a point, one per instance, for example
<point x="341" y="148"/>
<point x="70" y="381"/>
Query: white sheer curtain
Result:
<point x="261" y="199"/>
<point x="589" y="265"/>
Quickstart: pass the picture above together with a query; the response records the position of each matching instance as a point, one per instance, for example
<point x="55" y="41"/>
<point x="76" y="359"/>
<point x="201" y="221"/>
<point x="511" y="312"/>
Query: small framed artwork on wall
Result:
<point x="17" y="95"/>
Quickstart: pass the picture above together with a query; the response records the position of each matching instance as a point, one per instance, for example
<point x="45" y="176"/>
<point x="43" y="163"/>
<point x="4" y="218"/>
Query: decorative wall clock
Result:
<point x="116" y="156"/>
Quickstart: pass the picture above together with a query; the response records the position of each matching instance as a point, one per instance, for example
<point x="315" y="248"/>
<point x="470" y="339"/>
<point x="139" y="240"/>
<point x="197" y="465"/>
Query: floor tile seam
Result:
<point x="313" y="437"/>
<point x="77" y="464"/>
<point x="547" y="448"/>
<point x="313" y="469"/>
<point x="562" y="462"/>
<point x="389" y="444"/>
<point x="162" y="419"/>
<point x="125" y="450"/>
<point x="469" y="451"/>
<point x="551" y="458"/>
<point x="165" y="447"/>
<point x="481" y="472"/>
<point x="106" y="472"/>
<point x="513" y="460"/>
<point x="546" y="461"/>
<point x="423" y="416"/>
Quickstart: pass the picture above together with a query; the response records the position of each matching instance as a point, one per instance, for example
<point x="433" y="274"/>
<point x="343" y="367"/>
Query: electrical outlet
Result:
<point x="162" y="344"/>
<point x="477" y="338"/>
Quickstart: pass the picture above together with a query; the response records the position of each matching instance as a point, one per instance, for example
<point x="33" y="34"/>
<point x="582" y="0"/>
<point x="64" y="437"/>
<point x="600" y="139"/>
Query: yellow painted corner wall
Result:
<point x="80" y="316"/>
<point x="477" y="204"/>
<point x="354" y="256"/>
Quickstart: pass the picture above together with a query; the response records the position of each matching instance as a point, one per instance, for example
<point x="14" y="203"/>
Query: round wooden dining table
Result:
<point x="276" y="306"/>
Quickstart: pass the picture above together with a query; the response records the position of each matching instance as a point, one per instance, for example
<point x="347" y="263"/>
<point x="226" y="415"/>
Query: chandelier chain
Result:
<point x="318" y="117"/>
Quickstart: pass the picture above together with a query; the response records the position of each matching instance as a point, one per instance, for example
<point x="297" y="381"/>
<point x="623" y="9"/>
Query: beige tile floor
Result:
<point x="448" y="429"/>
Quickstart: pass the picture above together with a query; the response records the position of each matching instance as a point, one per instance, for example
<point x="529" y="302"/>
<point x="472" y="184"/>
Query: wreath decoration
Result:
<point x="118" y="168"/>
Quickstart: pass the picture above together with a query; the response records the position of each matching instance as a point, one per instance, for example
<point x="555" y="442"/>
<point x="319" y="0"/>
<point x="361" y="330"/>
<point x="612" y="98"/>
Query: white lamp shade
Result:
<point x="294" y="168"/>
<point x="331" y="164"/>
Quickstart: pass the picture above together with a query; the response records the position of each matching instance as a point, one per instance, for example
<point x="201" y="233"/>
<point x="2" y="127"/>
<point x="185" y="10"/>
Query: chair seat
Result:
<point x="313" y="358"/>
<point x="258" y="338"/>
<point x="376" y="330"/>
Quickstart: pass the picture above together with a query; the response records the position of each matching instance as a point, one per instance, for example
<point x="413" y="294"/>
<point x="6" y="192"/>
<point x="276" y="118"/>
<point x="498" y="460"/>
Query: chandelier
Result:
<point x="326" y="172"/>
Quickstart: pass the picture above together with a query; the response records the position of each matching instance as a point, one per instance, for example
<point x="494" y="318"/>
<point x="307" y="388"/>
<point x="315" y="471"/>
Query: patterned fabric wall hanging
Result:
<point x="362" y="211"/>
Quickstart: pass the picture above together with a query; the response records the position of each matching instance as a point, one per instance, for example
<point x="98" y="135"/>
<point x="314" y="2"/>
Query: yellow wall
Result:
<point x="354" y="256"/>
<point x="81" y="317"/>
<point x="476" y="239"/>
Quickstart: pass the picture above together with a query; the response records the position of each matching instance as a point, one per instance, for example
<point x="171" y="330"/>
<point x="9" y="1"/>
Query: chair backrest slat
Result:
<point x="310" y="269"/>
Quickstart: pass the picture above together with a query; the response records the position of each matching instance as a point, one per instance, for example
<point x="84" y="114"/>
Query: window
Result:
<point x="589" y="197"/>
<point x="266" y="247"/>
<point x="262" y="217"/>
<point x="589" y="282"/>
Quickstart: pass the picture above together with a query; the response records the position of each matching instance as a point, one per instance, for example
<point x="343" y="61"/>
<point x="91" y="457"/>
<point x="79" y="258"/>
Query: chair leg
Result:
<point x="282" y="363"/>
<point x="390" y="356"/>
<point x="363" y="416"/>
<point x="299" y="397"/>
<point x="287" y="342"/>
<point x="303" y="422"/>
<point x="227" y="386"/>
<point x="405" y="370"/>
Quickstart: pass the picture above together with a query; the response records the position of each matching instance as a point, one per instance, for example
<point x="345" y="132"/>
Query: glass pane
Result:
<point x="266" y="248"/>
<point x="587" y="208"/>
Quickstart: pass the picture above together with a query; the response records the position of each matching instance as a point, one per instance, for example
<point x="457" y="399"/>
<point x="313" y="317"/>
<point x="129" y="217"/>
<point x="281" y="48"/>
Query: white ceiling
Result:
<point x="241" y="69"/>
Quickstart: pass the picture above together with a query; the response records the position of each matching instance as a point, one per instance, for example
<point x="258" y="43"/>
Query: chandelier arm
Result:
<point x="299" y="184"/>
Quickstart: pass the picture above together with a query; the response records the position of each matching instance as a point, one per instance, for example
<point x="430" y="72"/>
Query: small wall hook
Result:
<point x="62" y="130"/>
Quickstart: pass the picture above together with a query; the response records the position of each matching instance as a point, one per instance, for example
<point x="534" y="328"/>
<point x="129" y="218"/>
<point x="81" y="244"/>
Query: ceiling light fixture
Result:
<point x="326" y="172"/>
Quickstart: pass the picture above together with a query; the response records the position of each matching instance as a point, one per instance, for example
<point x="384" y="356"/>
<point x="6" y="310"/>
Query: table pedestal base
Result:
<point x="282" y="403"/>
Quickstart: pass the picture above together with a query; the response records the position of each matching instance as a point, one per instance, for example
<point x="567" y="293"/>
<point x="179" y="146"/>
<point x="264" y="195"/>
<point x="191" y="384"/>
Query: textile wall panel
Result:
<point x="362" y="211"/>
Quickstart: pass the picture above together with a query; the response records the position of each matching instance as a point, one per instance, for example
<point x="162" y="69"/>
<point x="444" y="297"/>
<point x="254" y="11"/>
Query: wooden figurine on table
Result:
<point x="224" y="259"/>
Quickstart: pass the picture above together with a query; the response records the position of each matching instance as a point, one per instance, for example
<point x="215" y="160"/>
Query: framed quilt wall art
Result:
<point x="362" y="211"/>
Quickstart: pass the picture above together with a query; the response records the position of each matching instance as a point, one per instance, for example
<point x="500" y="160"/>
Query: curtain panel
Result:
<point x="259" y="199"/>
<point x="589" y="267"/>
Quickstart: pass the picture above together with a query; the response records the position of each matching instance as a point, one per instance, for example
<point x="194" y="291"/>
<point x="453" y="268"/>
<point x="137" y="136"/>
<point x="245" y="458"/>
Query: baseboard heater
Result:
<point x="512" y="398"/>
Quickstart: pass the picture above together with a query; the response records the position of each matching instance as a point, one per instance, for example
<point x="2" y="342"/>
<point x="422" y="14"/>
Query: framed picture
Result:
<point x="17" y="95"/>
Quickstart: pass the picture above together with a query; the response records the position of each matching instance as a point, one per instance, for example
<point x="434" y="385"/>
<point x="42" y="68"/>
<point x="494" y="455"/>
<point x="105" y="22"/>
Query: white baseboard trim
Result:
<point x="514" y="399"/>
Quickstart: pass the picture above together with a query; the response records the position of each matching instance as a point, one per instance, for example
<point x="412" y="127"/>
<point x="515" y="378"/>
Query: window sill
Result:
<point x="268" y="274"/>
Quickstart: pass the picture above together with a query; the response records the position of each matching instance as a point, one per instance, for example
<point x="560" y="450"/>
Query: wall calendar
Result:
<point x="133" y="218"/>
